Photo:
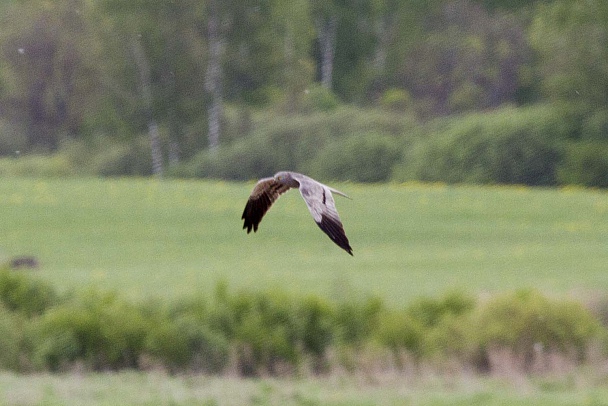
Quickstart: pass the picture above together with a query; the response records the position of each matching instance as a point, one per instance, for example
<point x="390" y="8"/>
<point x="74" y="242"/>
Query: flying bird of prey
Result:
<point x="318" y="198"/>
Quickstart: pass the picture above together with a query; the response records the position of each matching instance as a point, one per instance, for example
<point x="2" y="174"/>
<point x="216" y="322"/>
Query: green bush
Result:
<point x="255" y="158"/>
<point x="360" y="158"/>
<point x="430" y="312"/>
<point x="186" y="343"/>
<point x="121" y="158"/>
<point x="273" y="332"/>
<point x="453" y="327"/>
<point x="11" y="338"/>
<point x="264" y="347"/>
<point x="356" y="321"/>
<point x="104" y="157"/>
<point x="294" y="143"/>
<point x="260" y="326"/>
<point x="454" y="336"/>
<point x="396" y="99"/>
<point x="56" y="341"/>
<point x="585" y="163"/>
<point x="447" y="329"/>
<point x="595" y="126"/>
<point x="513" y="146"/>
<point x="263" y="329"/>
<point x="398" y="332"/>
<point x="318" y="98"/>
<point x="315" y="318"/>
<point x="100" y="330"/>
<point x="428" y="326"/>
<point x="37" y="165"/>
<point x="526" y="319"/>
<point x="24" y="294"/>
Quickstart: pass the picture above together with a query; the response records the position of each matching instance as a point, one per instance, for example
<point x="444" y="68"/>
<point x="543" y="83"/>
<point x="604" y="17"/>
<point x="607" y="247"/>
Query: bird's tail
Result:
<point x="339" y="193"/>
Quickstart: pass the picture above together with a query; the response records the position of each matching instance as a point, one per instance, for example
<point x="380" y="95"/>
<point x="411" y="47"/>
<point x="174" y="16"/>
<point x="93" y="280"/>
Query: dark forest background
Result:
<point x="482" y="91"/>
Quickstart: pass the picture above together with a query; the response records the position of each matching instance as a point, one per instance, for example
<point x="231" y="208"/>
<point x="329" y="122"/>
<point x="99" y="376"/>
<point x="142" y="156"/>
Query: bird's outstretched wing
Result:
<point x="264" y="194"/>
<point x="321" y="205"/>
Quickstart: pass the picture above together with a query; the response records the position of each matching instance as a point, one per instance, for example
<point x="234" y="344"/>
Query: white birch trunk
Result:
<point x="327" y="41"/>
<point x="213" y="80"/>
<point x="145" y="86"/>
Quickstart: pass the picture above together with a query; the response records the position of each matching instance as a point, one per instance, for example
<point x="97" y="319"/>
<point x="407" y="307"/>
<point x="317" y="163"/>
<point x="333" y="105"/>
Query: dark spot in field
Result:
<point x="24" y="262"/>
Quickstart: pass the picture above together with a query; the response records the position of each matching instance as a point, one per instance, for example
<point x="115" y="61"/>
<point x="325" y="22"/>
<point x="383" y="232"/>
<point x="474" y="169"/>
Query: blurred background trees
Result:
<point x="140" y="87"/>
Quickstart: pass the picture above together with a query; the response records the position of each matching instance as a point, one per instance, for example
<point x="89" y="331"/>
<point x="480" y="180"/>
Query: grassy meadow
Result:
<point x="147" y="238"/>
<point x="172" y="238"/>
<point x="128" y="388"/>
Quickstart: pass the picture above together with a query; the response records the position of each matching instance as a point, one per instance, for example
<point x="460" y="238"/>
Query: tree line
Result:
<point x="187" y="76"/>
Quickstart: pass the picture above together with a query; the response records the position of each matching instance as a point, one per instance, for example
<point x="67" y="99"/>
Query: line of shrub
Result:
<point x="540" y="145"/>
<point x="272" y="333"/>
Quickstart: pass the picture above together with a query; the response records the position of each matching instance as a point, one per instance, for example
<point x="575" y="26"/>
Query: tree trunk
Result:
<point x="213" y="80"/>
<point x="289" y="70"/>
<point x="383" y="34"/>
<point x="327" y="42"/>
<point x="145" y="86"/>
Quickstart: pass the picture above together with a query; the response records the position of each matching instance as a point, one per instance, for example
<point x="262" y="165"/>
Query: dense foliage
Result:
<point x="142" y="86"/>
<point x="253" y="333"/>
<point x="541" y="145"/>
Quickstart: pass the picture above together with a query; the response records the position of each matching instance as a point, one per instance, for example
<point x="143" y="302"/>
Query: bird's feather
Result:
<point x="264" y="194"/>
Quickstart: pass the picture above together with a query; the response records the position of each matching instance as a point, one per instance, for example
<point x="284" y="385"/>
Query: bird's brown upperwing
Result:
<point x="264" y="194"/>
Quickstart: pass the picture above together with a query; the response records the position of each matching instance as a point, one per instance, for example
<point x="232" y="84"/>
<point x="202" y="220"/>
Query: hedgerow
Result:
<point x="529" y="324"/>
<point x="274" y="333"/>
<point x="366" y="142"/>
<point x="505" y="146"/>
<point x="539" y="145"/>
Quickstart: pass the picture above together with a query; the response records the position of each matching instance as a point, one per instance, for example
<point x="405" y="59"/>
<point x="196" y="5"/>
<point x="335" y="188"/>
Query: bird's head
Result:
<point x="285" y="178"/>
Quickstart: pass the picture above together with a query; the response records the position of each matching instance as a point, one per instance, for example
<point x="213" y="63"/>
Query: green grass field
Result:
<point x="129" y="388"/>
<point x="146" y="238"/>
<point x="171" y="238"/>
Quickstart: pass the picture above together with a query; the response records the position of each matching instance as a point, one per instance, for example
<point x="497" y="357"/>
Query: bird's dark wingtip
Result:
<point x="247" y="226"/>
<point x="335" y="232"/>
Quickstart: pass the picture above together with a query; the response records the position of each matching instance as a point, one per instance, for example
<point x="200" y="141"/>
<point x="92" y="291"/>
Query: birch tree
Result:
<point x="145" y="88"/>
<point x="213" y="78"/>
<point x="325" y="15"/>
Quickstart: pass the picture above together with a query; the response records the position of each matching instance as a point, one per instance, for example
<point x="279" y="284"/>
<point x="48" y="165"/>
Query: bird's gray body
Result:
<point x="318" y="198"/>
